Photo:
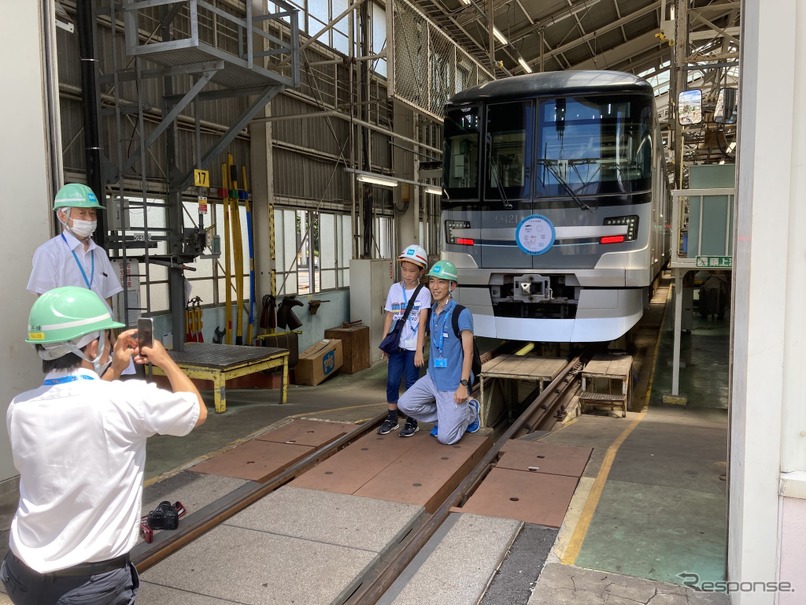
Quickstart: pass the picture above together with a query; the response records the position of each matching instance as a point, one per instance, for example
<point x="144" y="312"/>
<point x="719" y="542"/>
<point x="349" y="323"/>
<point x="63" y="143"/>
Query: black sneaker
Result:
<point x="409" y="428"/>
<point x="389" y="425"/>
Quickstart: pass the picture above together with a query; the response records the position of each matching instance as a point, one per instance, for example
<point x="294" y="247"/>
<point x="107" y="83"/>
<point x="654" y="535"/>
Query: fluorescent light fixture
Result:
<point x="374" y="179"/>
<point x="499" y="36"/>
<point x="525" y="65"/>
<point x="466" y="2"/>
<point x="433" y="190"/>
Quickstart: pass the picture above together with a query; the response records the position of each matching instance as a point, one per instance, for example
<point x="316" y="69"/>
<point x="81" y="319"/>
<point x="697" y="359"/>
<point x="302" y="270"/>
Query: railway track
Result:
<point x="545" y="408"/>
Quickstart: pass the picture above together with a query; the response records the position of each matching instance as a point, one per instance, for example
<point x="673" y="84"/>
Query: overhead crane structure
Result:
<point x="191" y="51"/>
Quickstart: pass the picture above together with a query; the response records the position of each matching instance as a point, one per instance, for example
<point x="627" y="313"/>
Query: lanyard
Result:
<point x="64" y="379"/>
<point x="438" y="326"/>
<point x="80" y="268"/>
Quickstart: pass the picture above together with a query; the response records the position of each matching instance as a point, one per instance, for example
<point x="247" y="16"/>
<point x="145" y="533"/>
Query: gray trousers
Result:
<point x="28" y="587"/>
<point x="425" y="403"/>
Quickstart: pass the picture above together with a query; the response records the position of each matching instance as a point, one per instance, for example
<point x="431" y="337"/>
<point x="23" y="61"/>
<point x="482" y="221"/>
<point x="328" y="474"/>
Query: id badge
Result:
<point x="440" y="362"/>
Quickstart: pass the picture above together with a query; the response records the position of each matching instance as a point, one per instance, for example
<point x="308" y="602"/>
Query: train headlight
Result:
<point x="631" y="232"/>
<point x="454" y="233"/>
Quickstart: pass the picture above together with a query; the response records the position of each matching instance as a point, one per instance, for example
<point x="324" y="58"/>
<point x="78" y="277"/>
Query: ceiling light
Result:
<point x="466" y="2"/>
<point x="499" y="36"/>
<point x="374" y="179"/>
<point x="525" y="65"/>
<point x="433" y="190"/>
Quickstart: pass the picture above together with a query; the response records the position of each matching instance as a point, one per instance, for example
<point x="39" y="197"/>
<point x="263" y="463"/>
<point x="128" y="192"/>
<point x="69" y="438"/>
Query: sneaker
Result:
<point x="474" y="426"/>
<point x="389" y="425"/>
<point x="435" y="431"/>
<point x="409" y="428"/>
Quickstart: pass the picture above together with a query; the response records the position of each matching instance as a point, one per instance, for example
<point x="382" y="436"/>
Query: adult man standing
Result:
<point x="79" y="444"/>
<point x="72" y="258"/>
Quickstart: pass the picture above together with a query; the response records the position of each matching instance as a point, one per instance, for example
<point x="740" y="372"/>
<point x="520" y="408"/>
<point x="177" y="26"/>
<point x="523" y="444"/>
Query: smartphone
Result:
<point x="145" y="332"/>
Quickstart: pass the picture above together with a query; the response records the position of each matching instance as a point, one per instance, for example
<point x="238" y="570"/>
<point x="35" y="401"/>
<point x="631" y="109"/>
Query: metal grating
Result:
<point x="426" y="67"/>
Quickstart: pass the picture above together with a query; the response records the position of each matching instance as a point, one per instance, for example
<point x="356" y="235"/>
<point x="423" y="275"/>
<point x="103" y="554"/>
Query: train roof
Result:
<point x="552" y="82"/>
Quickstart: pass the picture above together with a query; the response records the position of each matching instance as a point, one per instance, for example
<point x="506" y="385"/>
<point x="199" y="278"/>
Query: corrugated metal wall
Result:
<point x="310" y="154"/>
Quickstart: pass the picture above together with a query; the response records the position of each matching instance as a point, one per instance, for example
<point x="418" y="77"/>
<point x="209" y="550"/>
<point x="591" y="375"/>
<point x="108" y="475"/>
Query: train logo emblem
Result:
<point x="535" y="234"/>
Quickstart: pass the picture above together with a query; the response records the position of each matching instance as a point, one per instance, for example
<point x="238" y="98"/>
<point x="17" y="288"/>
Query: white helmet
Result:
<point x="414" y="254"/>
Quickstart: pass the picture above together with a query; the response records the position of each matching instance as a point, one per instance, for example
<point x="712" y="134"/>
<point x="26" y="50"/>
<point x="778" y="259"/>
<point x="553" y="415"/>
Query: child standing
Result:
<point x="409" y="359"/>
<point x="442" y="396"/>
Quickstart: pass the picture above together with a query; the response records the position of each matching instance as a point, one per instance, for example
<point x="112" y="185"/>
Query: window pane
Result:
<point x="510" y="151"/>
<point x="327" y="241"/>
<point x="462" y="153"/>
<point x="378" y="37"/>
<point x="319" y="15"/>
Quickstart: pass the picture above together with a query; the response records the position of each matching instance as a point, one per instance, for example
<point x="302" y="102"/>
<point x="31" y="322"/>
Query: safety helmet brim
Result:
<point x="65" y="314"/>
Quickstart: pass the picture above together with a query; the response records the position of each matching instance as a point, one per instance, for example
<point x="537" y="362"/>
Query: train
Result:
<point x="556" y="206"/>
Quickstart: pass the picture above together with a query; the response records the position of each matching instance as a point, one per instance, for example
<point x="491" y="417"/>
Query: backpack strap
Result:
<point x="457" y="311"/>
<point x="411" y="301"/>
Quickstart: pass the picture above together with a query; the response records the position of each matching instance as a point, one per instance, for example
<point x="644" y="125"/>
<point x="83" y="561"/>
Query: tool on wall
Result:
<point x="251" y="248"/>
<point x="286" y="318"/>
<point x="227" y="257"/>
<point x="188" y="323"/>
<point x="198" y="323"/>
<point x="268" y="314"/>
<point x="237" y="248"/>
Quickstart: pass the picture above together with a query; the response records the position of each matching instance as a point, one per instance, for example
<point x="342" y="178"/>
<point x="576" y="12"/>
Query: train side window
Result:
<point x="462" y="135"/>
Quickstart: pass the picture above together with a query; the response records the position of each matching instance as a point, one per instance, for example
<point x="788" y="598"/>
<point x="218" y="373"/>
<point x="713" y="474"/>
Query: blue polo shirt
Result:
<point x="445" y="345"/>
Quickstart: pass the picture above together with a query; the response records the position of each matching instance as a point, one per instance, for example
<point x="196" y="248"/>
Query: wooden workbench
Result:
<point x="219" y="363"/>
<point x="606" y="380"/>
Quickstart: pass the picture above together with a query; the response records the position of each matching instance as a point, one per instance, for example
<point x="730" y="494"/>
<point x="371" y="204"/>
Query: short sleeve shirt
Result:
<point x="445" y="345"/>
<point x="396" y="302"/>
<point x="80" y="448"/>
<point x="54" y="266"/>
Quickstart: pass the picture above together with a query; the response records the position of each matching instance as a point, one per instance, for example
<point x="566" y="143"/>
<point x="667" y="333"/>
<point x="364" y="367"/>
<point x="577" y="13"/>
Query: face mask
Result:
<point x="83" y="228"/>
<point x="100" y="368"/>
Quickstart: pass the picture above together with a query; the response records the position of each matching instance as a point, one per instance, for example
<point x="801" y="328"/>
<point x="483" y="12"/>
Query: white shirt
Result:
<point x="396" y="303"/>
<point x="80" y="449"/>
<point x="54" y="266"/>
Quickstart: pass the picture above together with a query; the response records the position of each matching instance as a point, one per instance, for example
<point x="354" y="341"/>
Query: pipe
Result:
<point x="85" y="21"/>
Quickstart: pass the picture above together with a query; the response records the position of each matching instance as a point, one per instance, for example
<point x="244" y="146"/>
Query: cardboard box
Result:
<point x="318" y="362"/>
<point x="355" y="346"/>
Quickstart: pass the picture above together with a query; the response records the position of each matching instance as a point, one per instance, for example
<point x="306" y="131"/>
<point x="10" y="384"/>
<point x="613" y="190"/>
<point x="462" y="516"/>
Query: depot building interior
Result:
<point x="244" y="155"/>
<point x="262" y="165"/>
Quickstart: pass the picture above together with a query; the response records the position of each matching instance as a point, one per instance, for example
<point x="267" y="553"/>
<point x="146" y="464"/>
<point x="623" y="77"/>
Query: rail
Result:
<point x="378" y="579"/>
<point x="546" y="407"/>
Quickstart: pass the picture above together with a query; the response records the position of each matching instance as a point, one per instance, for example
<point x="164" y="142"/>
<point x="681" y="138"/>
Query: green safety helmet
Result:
<point x="76" y="195"/>
<point x="66" y="314"/>
<point x="444" y="269"/>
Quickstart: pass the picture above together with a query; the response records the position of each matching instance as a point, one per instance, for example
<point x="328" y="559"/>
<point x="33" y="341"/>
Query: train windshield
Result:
<point x="550" y="147"/>
<point x="593" y="146"/>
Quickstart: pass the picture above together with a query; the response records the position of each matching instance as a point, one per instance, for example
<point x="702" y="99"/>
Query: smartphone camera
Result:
<point x="145" y="332"/>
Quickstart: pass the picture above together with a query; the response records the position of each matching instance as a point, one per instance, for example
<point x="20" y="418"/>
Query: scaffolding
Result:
<point x="169" y="58"/>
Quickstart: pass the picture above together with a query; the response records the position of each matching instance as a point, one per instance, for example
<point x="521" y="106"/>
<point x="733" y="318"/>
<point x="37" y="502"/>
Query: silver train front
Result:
<point x="579" y="291"/>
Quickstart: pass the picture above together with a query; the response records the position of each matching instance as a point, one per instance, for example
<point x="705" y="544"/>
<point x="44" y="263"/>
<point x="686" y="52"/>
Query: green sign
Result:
<point x="715" y="262"/>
